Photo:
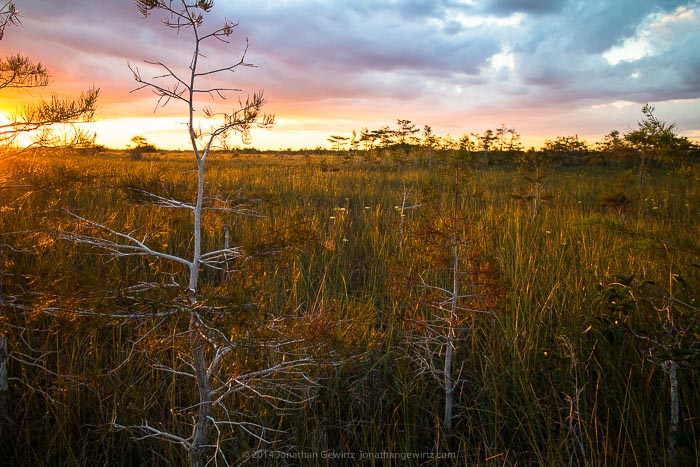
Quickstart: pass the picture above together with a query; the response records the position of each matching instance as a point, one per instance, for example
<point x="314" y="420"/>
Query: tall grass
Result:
<point x="547" y="378"/>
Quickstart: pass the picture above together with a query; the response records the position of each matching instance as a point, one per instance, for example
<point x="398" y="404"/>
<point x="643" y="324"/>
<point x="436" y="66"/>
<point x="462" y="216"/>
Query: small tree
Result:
<point x="189" y="16"/>
<point x="534" y="166"/>
<point x="141" y="146"/>
<point x="662" y="318"/>
<point x="436" y="337"/>
<point x="612" y="147"/>
<point x="338" y="142"/>
<point x="209" y="348"/>
<point x="566" y="149"/>
<point x="656" y="140"/>
<point x="486" y="143"/>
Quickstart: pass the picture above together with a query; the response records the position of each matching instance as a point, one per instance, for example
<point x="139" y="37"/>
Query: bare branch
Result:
<point x="118" y="249"/>
<point x="169" y="73"/>
<point x="151" y="432"/>
<point x="9" y="16"/>
<point x="160" y="201"/>
<point x="230" y="68"/>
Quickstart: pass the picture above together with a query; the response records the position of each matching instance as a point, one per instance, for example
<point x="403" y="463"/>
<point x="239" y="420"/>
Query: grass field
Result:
<point x="575" y="296"/>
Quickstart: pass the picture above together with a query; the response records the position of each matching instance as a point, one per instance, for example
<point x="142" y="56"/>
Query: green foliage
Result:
<point x="566" y="149"/>
<point x="657" y="139"/>
<point x="614" y="303"/>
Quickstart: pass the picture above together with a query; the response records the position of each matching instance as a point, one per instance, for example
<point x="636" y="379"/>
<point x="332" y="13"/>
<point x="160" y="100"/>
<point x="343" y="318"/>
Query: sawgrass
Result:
<point x="542" y="380"/>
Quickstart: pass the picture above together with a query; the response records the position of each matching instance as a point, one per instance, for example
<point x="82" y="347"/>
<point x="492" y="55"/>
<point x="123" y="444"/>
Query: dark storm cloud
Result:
<point x="563" y="55"/>
<point x="333" y="45"/>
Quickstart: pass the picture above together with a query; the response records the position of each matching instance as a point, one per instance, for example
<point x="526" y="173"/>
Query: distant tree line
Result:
<point x="653" y="142"/>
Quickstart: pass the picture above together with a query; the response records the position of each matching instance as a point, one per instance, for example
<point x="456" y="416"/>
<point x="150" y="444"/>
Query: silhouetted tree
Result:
<point x="36" y="120"/>
<point x="658" y="141"/>
<point x="40" y="120"/>
<point x="565" y="148"/>
<point x="486" y="143"/>
<point x="141" y="146"/>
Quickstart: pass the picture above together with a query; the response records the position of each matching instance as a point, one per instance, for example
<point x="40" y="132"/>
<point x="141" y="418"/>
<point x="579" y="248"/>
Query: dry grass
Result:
<point x="560" y="374"/>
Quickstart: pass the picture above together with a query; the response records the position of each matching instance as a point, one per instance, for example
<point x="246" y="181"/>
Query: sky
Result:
<point x="546" y="68"/>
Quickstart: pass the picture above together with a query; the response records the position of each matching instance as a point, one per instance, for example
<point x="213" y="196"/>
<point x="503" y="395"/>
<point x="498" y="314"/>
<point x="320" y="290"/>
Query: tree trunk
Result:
<point x="672" y="369"/>
<point x="4" y="387"/>
<point x="200" y="451"/>
<point x="4" y="383"/>
<point x="451" y="337"/>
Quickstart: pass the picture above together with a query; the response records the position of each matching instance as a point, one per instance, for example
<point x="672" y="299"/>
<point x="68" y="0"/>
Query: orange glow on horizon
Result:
<point x="170" y="133"/>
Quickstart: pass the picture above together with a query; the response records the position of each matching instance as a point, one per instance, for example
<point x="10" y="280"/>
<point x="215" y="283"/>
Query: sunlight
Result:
<point x="618" y="104"/>
<point x="171" y="133"/>
<point x="630" y="50"/>
<point x="470" y="21"/>
<point x="163" y="132"/>
<point x="656" y="34"/>
<point x="503" y="59"/>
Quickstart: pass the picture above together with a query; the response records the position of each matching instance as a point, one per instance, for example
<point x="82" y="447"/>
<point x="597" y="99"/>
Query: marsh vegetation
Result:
<point x="565" y="325"/>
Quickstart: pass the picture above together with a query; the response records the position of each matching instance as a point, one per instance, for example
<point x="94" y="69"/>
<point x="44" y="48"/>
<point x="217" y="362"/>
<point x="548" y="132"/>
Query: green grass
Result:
<point x="331" y="254"/>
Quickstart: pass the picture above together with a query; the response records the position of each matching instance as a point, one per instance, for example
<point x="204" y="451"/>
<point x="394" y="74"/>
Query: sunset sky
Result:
<point x="544" y="67"/>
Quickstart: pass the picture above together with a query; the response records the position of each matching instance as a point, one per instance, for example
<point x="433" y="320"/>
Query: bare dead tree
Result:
<point x="435" y="337"/>
<point x="171" y="86"/>
<point x="211" y="360"/>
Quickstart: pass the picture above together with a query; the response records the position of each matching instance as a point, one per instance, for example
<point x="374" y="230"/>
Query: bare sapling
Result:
<point x="665" y="333"/>
<point x="211" y="349"/>
<point x="435" y="339"/>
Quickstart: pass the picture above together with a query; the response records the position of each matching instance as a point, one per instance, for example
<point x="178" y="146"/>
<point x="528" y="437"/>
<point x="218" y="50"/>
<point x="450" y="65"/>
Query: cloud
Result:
<point x="556" y="62"/>
<point x="448" y="60"/>
<point x="656" y="34"/>
<point x="506" y="7"/>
